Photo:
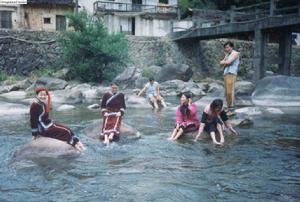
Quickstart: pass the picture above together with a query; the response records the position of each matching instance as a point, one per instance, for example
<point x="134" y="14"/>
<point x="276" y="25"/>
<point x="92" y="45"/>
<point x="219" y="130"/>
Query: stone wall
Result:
<point x="203" y="56"/>
<point x="39" y="50"/>
<point x="24" y="51"/>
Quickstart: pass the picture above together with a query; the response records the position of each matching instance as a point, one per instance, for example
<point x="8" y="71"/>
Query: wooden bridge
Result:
<point x="261" y="19"/>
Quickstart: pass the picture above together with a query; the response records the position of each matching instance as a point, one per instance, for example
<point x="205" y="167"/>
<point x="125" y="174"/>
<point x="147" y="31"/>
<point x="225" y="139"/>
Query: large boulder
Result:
<point x="277" y="91"/>
<point x="141" y="82"/>
<point x="65" y="107"/>
<point x="135" y="101"/>
<point x="93" y="130"/>
<point x="19" y="85"/>
<point x="82" y="93"/>
<point x="244" y="88"/>
<point x="209" y="97"/>
<point x="12" y="110"/>
<point x="45" y="147"/>
<point x="51" y="83"/>
<point x="174" y="71"/>
<point x="66" y="96"/>
<point x="14" y="95"/>
<point x="175" y="87"/>
<point x="128" y="77"/>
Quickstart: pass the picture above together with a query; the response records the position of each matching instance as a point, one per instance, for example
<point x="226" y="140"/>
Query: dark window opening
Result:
<point x="164" y="1"/>
<point x="137" y="1"/>
<point x="5" y="19"/>
<point x="47" y="20"/>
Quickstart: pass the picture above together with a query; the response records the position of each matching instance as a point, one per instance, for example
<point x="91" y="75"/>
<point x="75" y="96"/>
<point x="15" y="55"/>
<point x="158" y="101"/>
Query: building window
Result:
<point x="5" y="19"/>
<point x="47" y="20"/>
<point x="137" y="1"/>
<point x="164" y="1"/>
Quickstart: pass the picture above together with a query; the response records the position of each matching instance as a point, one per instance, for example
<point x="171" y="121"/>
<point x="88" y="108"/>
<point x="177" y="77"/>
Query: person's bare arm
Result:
<point x="230" y="60"/>
<point x="142" y="91"/>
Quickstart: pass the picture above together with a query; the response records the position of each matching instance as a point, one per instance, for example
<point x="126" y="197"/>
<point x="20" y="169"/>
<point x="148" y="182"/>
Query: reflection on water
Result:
<point x="261" y="164"/>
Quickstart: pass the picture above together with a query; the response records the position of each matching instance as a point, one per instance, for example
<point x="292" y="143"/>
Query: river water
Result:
<point x="262" y="164"/>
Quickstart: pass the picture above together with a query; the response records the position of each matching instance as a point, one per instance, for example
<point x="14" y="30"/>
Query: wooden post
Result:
<point x="285" y="52"/>
<point x="172" y="26"/>
<point x="272" y="7"/>
<point x="257" y="10"/>
<point x="260" y="38"/>
<point x="178" y="13"/>
<point x="232" y="14"/>
<point x="76" y="6"/>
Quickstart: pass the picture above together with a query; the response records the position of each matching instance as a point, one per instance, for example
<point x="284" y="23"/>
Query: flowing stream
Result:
<point x="261" y="164"/>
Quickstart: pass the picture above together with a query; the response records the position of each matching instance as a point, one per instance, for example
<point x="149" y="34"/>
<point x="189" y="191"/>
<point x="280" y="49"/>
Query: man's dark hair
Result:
<point x="228" y="43"/>
<point x="151" y="78"/>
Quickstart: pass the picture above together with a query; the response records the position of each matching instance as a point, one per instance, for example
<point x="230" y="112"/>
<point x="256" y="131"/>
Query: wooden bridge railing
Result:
<point x="272" y="8"/>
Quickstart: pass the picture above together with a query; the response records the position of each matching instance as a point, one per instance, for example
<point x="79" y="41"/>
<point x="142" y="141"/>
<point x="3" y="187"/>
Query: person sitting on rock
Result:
<point x="186" y="117"/>
<point x="153" y="93"/>
<point x="212" y="121"/>
<point x="112" y="108"/>
<point x="41" y="125"/>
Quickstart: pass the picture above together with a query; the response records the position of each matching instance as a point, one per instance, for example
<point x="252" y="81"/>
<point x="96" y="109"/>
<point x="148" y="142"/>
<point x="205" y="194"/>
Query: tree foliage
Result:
<point x="92" y="52"/>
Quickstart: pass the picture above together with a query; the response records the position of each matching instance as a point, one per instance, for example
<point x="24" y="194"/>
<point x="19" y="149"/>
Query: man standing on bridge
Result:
<point x="230" y="64"/>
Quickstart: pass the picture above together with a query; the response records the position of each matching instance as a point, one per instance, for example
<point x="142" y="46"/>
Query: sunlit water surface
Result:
<point x="262" y="164"/>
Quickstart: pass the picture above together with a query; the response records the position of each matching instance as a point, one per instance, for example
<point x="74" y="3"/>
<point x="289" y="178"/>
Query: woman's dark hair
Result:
<point x="217" y="103"/>
<point x="228" y="43"/>
<point x="187" y="95"/>
<point x="114" y="83"/>
<point x="184" y="109"/>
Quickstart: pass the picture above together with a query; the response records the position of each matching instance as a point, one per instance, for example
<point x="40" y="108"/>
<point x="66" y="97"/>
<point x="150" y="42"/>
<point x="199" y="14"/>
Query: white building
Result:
<point x="137" y="17"/>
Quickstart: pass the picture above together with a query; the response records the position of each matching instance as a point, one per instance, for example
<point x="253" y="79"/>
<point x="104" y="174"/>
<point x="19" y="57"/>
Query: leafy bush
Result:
<point x="147" y="72"/>
<point x="3" y="76"/>
<point x="92" y="53"/>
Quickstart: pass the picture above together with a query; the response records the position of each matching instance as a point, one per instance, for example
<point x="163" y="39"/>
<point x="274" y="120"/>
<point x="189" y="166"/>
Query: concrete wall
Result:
<point x="32" y="17"/>
<point x="36" y="15"/>
<point x="87" y="5"/>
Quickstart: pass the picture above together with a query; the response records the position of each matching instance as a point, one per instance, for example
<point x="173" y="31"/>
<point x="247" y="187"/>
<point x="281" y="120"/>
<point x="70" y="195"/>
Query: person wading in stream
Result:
<point x="41" y="125"/>
<point x="230" y="64"/>
<point x="112" y="108"/>
<point x="212" y="121"/>
<point x="186" y="117"/>
<point x="153" y="93"/>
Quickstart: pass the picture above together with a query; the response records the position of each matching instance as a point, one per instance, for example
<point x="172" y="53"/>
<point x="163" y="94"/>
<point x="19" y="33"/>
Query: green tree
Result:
<point x="93" y="53"/>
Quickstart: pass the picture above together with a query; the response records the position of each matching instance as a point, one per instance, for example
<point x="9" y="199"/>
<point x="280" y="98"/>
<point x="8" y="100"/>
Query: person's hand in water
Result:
<point x="79" y="146"/>
<point x="233" y="132"/>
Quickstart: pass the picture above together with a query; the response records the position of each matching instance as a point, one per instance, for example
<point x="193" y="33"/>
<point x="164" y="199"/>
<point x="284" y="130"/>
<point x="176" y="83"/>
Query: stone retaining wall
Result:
<point x="24" y="51"/>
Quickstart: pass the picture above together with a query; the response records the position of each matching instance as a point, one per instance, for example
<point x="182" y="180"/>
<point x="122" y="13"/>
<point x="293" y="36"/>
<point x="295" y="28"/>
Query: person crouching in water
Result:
<point x="41" y="125"/>
<point x="112" y="108"/>
<point x="186" y="117"/>
<point x="153" y="93"/>
<point x="212" y="121"/>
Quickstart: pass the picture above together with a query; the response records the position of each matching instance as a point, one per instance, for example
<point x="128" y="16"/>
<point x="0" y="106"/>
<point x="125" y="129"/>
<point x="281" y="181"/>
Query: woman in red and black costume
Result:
<point x="41" y="125"/>
<point x="112" y="108"/>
